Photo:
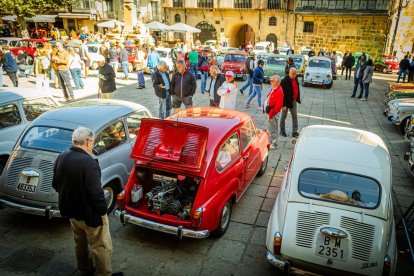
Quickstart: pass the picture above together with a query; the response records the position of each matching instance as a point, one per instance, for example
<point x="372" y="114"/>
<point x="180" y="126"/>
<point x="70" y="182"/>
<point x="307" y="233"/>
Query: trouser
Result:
<point x="152" y="72"/>
<point x="13" y="78"/>
<point x="124" y="66"/>
<point x="342" y="71"/>
<point x="401" y="74"/>
<point x="42" y="82"/>
<point x="361" y="85"/>
<point x="366" y="89"/>
<point x="294" y="114"/>
<point x="55" y="78"/>
<point x="77" y="77"/>
<point x="141" y="80"/>
<point x="93" y="247"/>
<point x="249" y="84"/>
<point x="164" y="106"/>
<point x="410" y="75"/>
<point x="193" y="69"/>
<point x="114" y="65"/>
<point x="257" y="90"/>
<point x="64" y="81"/>
<point x="204" y="77"/>
<point x="273" y="128"/>
<point x="348" y="73"/>
<point x="106" y="95"/>
<point x="1" y="76"/>
<point x="25" y="70"/>
<point x="214" y="104"/>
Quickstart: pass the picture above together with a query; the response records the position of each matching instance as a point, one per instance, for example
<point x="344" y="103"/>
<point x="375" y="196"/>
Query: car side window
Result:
<point x="9" y="116"/>
<point x="33" y="108"/>
<point x="134" y="122"/>
<point x="247" y="134"/>
<point x="109" y="138"/>
<point x="229" y="151"/>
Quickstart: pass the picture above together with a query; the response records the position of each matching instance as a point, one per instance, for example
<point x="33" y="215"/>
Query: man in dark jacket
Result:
<point x="203" y="65"/>
<point x="77" y="179"/>
<point x="183" y="87"/>
<point x="10" y="65"/>
<point x="289" y="64"/>
<point x="404" y="65"/>
<point x="161" y="86"/>
<point x="217" y="79"/>
<point x="349" y="63"/>
<point x="106" y="77"/>
<point x="258" y="77"/>
<point x="358" y="75"/>
<point x="291" y="97"/>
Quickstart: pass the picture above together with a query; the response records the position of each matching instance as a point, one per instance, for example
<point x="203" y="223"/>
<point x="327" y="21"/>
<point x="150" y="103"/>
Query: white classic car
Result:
<point x="334" y="211"/>
<point x="399" y="111"/>
<point x="165" y="55"/>
<point x="318" y="71"/>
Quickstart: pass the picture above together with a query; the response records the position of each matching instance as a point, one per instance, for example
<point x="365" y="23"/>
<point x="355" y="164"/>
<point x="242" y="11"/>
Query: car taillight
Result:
<point x="387" y="266"/>
<point x="198" y="214"/>
<point x="120" y="199"/>
<point x="277" y="243"/>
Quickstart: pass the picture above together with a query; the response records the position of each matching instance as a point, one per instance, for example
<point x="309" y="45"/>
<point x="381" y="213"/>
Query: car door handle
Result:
<point x="246" y="156"/>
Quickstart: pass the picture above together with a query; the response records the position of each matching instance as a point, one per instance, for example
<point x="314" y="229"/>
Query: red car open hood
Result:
<point x="170" y="144"/>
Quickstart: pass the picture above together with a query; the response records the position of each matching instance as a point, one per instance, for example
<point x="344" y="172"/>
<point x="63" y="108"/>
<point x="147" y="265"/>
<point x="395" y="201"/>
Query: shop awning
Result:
<point x="37" y="18"/>
<point x="76" y="15"/>
<point x="110" y="24"/>
<point x="184" y="28"/>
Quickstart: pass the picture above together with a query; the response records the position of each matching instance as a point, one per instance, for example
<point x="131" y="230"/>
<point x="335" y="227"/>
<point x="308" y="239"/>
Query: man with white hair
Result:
<point x="161" y="86"/>
<point x="77" y="180"/>
<point x="217" y="79"/>
<point x="291" y="98"/>
<point x="272" y="106"/>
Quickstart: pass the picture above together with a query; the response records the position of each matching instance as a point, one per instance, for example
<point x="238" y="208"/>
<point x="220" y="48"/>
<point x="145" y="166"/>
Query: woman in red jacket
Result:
<point x="272" y="106"/>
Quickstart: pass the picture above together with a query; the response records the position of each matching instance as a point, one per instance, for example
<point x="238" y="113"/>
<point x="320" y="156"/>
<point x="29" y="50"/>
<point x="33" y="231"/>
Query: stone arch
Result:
<point x="272" y="37"/>
<point x="243" y="35"/>
<point x="208" y="32"/>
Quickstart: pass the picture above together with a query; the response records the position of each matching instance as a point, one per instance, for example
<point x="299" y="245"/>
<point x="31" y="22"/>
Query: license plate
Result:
<point x="332" y="248"/>
<point x="28" y="184"/>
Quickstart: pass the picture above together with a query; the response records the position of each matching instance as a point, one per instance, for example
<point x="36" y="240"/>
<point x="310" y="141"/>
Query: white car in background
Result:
<point x="165" y="55"/>
<point x="261" y="47"/>
<point x="340" y="58"/>
<point x="93" y="50"/>
<point x="334" y="212"/>
<point x="319" y="72"/>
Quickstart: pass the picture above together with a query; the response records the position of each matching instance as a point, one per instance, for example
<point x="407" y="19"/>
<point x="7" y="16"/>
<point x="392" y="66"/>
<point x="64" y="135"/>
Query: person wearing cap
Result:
<point x="258" y="76"/>
<point x="228" y="92"/>
<point x="106" y="77"/>
<point x="217" y="79"/>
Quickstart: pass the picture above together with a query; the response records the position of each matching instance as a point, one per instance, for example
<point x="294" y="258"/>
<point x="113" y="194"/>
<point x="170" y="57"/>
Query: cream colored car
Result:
<point x="334" y="211"/>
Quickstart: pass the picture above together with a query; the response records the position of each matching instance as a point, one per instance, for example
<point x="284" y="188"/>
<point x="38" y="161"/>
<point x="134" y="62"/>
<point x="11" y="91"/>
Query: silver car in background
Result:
<point x="26" y="184"/>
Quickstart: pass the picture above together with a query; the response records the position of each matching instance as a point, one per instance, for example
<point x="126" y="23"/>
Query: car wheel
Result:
<point x="130" y="67"/>
<point x="3" y="162"/>
<point x="329" y="85"/>
<point x="304" y="84"/>
<point x="224" y="220"/>
<point x="94" y="66"/>
<point x="263" y="167"/>
<point x="403" y="126"/>
<point x="29" y="60"/>
<point x="110" y="193"/>
<point x="385" y="71"/>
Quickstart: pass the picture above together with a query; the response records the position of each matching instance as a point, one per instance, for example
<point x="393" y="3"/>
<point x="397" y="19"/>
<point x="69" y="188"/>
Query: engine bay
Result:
<point x="165" y="193"/>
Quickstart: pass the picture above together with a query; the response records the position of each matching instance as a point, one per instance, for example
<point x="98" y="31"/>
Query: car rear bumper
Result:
<point x="47" y="211"/>
<point x="285" y="265"/>
<point x="178" y="231"/>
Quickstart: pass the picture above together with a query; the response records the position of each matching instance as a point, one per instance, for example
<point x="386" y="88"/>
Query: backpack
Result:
<point x="204" y="65"/>
<point x="248" y="68"/>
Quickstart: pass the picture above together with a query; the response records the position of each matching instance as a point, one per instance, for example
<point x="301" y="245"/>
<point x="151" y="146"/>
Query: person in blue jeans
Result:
<point x="152" y="61"/>
<point x="162" y="86"/>
<point x="404" y="66"/>
<point x="193" y="59"/>
<point x="123" y="58"/>
<point x="359" y="74"/>
<point x="203" y="64"/>
<point x="367" y="78"/>
<point x="249" y="73"/>
<point x="258" y="76"/>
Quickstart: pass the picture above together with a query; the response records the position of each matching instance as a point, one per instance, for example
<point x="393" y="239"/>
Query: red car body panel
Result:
<point x="162" y="141"/>
<point x="386" y="62"/>
<point x="238" y="67"/>
<point x="28" y="46"/>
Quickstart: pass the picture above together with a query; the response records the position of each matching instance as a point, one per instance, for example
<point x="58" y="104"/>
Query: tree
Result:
<point x="30" y="8"/>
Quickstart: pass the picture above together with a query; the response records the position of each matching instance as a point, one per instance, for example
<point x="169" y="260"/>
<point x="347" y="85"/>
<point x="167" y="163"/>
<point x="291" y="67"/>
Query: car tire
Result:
<point x="29" y="60"/>
<point x="130" y="67"/>
<point x="263" y="167"/>
<point x="94" y="66"/>
<point x="329" y="85"/>
<point x="3" y="162"/>
<point x="224" y="222"/>
<point x="110" y="193"/>
<point x="403" y="126"/>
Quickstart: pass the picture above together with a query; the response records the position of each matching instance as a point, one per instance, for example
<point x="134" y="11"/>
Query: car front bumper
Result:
<point x="174" y="230"/>
<point x="47" y="211"/>
<point x="395" y="120"/>
<point x="285" y="265"/>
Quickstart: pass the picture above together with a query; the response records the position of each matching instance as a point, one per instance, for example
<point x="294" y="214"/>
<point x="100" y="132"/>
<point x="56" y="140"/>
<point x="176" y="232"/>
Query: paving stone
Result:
<point x="268" y="204"/>
<point x="244" y="215"/>
<point x="263" y="219"/>
<point x="257" y="190"/>
<point x="259" y="235"/>
<point x="227" y="250"/>
<point x="250" y="202"/>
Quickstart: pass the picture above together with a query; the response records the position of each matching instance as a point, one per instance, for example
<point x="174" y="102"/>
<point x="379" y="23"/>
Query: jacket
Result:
<point x="258" y="75"/>
<point x="404" y="64"/>
<point x="275" y="101"/>
<point x="107" y="85"/>
<point x="349" y="61"/>
<point x="153" y="59"/>
<point x="61" y="60"/>
<point x="219" y="81"/>
<point x="77" y="180"/>
<point x="287" y="87"/>
<point x="228" y="93"/>
<point x="368" y="72"/>
<point x="359" y="70"/>
<point x="288" y="66"/>
<point x="203" y="61"/>
<point x="123" y="55"/>
<point x="9" y="62"/>
<point x="112" y="54"/>
<point x="183" y="85"/>
<point x="160" y="92"/>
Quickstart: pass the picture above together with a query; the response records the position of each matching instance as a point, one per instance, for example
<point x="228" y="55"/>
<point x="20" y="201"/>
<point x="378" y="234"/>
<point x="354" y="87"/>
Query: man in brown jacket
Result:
<point x="61" y="61"/>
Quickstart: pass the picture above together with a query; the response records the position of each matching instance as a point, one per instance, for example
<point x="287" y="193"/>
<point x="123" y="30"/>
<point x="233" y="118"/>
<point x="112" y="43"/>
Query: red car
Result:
<point x="131" y="57"/>
<point x="210" y="55"/>
<point x="29" y="46"/>
<point x="190" y="169"/>
<point x="236" y="62"/>
<point x="386" y="64"/>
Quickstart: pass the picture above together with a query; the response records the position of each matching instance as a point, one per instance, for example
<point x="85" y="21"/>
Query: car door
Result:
<point x="250" y="152"/>
<point x="133" y="122"/>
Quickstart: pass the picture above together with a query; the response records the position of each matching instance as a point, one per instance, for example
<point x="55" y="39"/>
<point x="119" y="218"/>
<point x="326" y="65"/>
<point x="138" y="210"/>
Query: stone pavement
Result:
<point x="35" y="246"/>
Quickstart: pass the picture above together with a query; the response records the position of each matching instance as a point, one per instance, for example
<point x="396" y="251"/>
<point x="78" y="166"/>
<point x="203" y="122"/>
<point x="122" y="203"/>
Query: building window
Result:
<point x="109" y="5"/>
<point x="308" y="27"/>
<point x="177" y="3"/>
<point x="177" y="18"/>
<point x="272" y="21"/>
<point x="205" y="4"/>
<point x="155" y="10"/>
<point x="273" y="4"/>
<point x="242" y="4"/>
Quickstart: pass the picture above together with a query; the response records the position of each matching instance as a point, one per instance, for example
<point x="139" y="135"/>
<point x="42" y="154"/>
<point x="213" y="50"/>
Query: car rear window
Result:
<point x="47" y="138"/>
<point x="319" y="63"/>
<point x="340" y="187"/>
<point x="3" y="42"/>
<point x="162" y="54"/>
<point x="259" y="47"/>
<point x="276" y="61"/>
<point x="235" y="58"/>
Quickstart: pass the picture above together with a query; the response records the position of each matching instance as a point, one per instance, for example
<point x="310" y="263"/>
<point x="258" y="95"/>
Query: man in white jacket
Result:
<point x="228" y="92"/>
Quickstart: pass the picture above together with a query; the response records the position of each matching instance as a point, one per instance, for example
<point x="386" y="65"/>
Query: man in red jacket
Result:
<point x="272" y="106"/>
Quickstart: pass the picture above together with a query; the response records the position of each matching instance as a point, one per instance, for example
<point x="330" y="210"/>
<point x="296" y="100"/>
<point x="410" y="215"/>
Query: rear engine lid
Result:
<point x="171" y="144"/>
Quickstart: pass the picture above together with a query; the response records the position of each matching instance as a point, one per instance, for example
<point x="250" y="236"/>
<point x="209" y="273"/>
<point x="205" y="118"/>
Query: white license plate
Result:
<point x="28" y="184"/>
<point x="331" y="247"/>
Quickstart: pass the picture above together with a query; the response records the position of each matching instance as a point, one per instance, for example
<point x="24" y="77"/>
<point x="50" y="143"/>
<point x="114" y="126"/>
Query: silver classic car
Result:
<point x="26" y="184"/>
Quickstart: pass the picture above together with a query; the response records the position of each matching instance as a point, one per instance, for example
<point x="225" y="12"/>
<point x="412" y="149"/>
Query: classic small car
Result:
<point x="399" y="94"/>
<point x="26" y="184"/>
<point x="334" y="212"/>
<point x="318" y="71"/>
<point x="400" y="112"/>
<point x="28" y="46"/>
<point x="275" y="65"/>
<point x="165" y="55"/>
<point x="386" y="64"/>
<point x="189" y="170"/>
<point x="399" y="86"/>
<point x="9" y="41"/>
<point x="18" y="107"/>
<point x="300" y="63"/>
<point x="261" y="47"/>
<point x="236" y="62"/>
<point x="261" y="56"/>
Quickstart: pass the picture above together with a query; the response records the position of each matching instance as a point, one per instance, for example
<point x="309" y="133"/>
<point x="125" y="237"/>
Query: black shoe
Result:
<point x="118" y="274"/>
<point x="241" y="91"/>
<point x="359" y="97"/>
<point x="282" y="133"/>
<point x="353" y="96"/>
<point x="202" y="92"/>
<point x="295" y="134"/>
<point x="140" y="87"/>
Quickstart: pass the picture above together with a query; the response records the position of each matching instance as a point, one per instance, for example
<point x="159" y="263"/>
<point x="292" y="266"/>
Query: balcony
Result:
<point x="242" y="4"/>
<point x="276" y="4"/>
<point x="178" y="4"/>
<point x="343" y="6"/>
<point x="205" y="4"/>
<point x="83" y="6"/>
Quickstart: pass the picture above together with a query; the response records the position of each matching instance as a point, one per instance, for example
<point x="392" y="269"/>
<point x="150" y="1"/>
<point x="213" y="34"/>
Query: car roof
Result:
<point x="89" y="113"/>
<point x="11" y="38"/>
<point x="318" y="57"/>
<point x="297" y="56"/>
<point x="236" y="53"/>
<point x="16" y="94"/>
<point x="35" y="40"/>
<point x="278" y="55"/>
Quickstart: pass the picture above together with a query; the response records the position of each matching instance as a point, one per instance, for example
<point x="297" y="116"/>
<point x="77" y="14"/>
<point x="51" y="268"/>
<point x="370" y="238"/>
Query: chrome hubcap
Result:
<point x="109" y="196"/>
<point x="225" y="216"/>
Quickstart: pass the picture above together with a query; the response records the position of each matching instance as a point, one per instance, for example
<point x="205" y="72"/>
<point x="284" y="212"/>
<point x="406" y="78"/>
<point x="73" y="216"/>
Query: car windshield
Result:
<point x="298" y="62"/>
<point x="235" y="58"/>
<point x="340" y="187"/>
<point x="162" y="54"/>
<point x="93" y="49"/>
<point x="319" y="63"/>
<point x="259" y="47"/>
<point x="47" y="138"/>
<point x="276" y="61"/>
<point x="3" y="42"/>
